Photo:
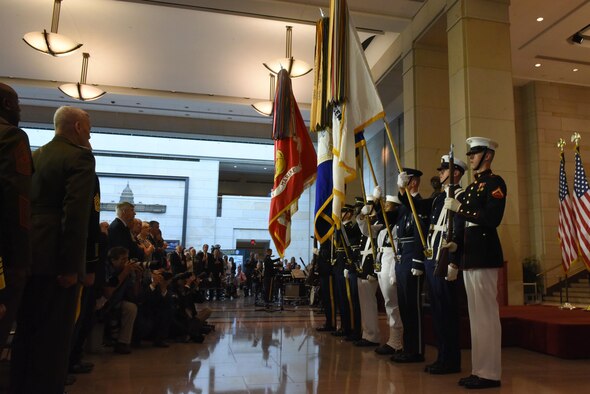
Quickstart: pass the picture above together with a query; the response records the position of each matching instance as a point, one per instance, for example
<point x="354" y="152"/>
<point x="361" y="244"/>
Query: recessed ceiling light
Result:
<point x="540" y="19"/>
<point x="235" y="166"/>
<point x="575" y="70"/>
<point x="265" y="168"/>
<point x="538" y="65"/>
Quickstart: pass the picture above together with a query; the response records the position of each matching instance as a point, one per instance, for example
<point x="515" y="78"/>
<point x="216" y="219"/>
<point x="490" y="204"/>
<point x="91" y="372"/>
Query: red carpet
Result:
<point x="545" y="329"/>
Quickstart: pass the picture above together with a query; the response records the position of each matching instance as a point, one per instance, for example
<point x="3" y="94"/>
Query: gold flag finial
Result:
<point x="561" y="144"/>
<point x="576" y="137"/>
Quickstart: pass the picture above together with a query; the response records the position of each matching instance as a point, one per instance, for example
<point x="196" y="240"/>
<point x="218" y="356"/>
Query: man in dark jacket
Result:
<point x="62" y="190"/>
<point x="120" y="230"/>
<point x="16" y="168"/>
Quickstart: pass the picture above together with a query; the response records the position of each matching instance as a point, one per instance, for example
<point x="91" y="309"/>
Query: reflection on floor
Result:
<point x="255" y="351"/>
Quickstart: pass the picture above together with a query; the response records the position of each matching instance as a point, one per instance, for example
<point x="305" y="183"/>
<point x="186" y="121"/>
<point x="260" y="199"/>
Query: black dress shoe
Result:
<point x="122" y="348"/>
<point x="408" y="358"/>
<point x="86" y="364"/>
<point x="325" y="329"/>
<point x="385" y="350"/>
<point x="444" y="369"/>
<point x="365" y="343"/>
<point x="70" y="380"/>
<point x="467" y="379"/>
<point x="160" y="344"/>
<point x="482" y="383"/>
<point x="353" y="338"/>
<point x="80" y="368"/>
<point x="430" y="366"/>
<point x="339" y="333"/>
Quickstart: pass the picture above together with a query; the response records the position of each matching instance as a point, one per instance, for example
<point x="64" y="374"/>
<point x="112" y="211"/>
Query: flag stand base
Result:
<point x="567" y="305"/>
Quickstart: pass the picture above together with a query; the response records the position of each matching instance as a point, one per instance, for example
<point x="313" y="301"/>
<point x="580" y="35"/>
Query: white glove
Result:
<point x="371" y="278"/>
<point x="316" y="251"/>
<point x="451" y="246"/>
<point x="452" y="204"/>
<point x="417" y="272"/>
<point x="392" y="280"/>
<point x="402" y="180"/>
<point x="366" y="210"/>
<point x="451" y="273"/>
<point x="377" y="192"/>
<point x="346" y="273"/>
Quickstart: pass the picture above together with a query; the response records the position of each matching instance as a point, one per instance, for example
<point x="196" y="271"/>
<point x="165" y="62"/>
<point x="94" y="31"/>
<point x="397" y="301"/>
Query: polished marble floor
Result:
<point x="254" y="351"/>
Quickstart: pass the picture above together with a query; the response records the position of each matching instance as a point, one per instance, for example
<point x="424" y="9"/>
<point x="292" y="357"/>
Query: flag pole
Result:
<point x="380" y="200"/>
<point x="359" y="165"/>
<point x="427" y="253"/>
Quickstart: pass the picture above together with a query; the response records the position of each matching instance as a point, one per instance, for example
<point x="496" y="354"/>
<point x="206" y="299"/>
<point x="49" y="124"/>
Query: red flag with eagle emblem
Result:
<point x="295" y="162"/>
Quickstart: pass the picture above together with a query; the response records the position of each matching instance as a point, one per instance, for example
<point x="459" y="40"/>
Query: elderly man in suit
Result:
<point x="120" y="230"/>
<point x="16" y="168"/>
<point x="62" y="190"/>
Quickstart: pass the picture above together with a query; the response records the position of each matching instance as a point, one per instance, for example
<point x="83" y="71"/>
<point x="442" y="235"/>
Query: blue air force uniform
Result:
<point x="409" y="286"/>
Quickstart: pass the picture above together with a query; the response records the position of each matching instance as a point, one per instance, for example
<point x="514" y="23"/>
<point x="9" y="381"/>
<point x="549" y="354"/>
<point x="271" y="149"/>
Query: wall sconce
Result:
<point x="81" y="91"/>
<point x="266" y="107"/>
<point x="51" y="43"/>
<point x="295" y="68"/>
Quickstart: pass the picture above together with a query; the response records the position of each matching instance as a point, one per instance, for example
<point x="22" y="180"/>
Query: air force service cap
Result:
<point x="444" y="164"/>
<point x="479" y="144"/>
<point x="412" y="172"/>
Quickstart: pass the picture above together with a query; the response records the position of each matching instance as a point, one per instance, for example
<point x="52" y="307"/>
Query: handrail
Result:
<point x="570" y="272"/>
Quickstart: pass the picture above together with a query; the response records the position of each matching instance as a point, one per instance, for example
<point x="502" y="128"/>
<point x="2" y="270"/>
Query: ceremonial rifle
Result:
<point x="442" y="263"/>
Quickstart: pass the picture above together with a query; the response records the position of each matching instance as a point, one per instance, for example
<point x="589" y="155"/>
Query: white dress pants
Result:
<point x="389" y="291"/>
<point x="484" y="318"/>
<point x="368" y="301"/>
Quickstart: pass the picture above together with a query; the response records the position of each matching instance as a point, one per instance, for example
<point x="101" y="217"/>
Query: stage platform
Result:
<point x="546" y="329"/>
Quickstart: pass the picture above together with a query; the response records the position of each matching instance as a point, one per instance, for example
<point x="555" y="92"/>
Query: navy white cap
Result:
<point x="444" y="164"/>
<point x="479" y="144"/>
<point x="393" y="199"/>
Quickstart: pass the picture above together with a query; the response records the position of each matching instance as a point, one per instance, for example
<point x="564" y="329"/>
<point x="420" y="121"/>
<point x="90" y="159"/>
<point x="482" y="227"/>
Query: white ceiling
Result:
<point x="198" y="63"/>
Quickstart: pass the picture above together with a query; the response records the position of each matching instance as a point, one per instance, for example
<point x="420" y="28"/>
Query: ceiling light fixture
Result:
<point x="581" y="37"/>
<point x="265" y="107"/>
<point x="81" y="91"/>
<point x="540" y="19"/>
<point x="296" y="68"/>
<point x="538" y="65"/>
<point x="575" y="70"/>
<point x="51" y="43"/>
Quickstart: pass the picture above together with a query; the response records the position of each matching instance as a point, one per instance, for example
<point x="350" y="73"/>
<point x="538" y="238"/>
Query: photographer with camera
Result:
<point x="121" y="291"/>
<point x="155" y="312"/>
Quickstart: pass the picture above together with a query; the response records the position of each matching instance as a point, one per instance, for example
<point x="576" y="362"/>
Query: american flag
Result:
<point x="567" y="230"/>
<point x="582" y="209"/>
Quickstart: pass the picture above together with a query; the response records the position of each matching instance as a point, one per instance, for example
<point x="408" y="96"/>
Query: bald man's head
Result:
<point x="9" y="108"/>
<point x="74" y="124"/>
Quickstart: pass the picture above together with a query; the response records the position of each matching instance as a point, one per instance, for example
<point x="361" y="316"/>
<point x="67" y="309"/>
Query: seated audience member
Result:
<point x="121" y="292"/>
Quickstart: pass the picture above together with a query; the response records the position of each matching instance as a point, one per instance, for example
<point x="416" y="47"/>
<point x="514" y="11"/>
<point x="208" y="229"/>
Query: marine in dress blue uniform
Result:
<point x="483" y="209"/>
